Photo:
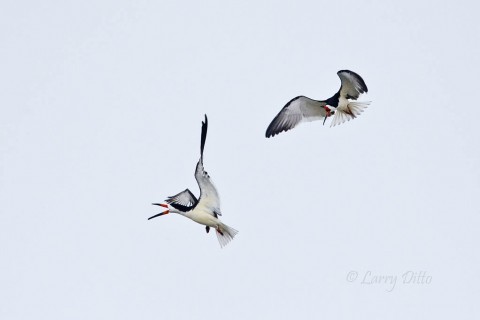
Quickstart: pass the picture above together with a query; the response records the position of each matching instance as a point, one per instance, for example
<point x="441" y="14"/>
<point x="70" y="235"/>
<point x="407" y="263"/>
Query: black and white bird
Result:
<point x="303" y="109"/>
<point x="204" y="210"/>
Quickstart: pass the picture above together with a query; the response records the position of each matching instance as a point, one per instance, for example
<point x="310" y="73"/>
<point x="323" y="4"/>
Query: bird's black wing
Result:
<point x="299" y="109"/>
<point x="183" y="201"/>
<point x="352" y="84"/>
<point x="208" y="192"/>
<point x="204" y="136"/>
<point x="351" y="88"/>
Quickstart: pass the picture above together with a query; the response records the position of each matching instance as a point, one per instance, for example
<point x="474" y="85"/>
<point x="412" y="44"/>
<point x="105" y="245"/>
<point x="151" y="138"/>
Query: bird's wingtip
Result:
<point x="203" y="136"/>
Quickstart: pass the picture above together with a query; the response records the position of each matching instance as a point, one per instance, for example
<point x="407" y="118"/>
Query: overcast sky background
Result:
<point x="101" y="104"/>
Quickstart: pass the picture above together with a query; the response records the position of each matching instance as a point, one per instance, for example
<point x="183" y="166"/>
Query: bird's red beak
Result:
<point x="162" y="213"/>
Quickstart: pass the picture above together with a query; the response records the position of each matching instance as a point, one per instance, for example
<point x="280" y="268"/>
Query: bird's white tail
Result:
<point x="351" y="111"/>
<point x="225" y="235"/>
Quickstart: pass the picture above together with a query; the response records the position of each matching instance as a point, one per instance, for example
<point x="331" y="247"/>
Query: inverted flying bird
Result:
<point x="303" y="109"/>
<point x="204" y="210"/>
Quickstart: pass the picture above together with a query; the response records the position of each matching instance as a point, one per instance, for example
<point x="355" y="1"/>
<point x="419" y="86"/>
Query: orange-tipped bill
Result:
<point x="162" y="213"/>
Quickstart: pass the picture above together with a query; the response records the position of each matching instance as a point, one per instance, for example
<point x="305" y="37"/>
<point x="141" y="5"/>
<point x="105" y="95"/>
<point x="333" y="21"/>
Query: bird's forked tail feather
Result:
<point x="225" y="235"/>
<point x="351" y="111"/>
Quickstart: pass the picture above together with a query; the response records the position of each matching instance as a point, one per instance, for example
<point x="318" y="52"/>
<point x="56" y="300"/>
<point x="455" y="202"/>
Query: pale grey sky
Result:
<point x="101" y="105"/>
